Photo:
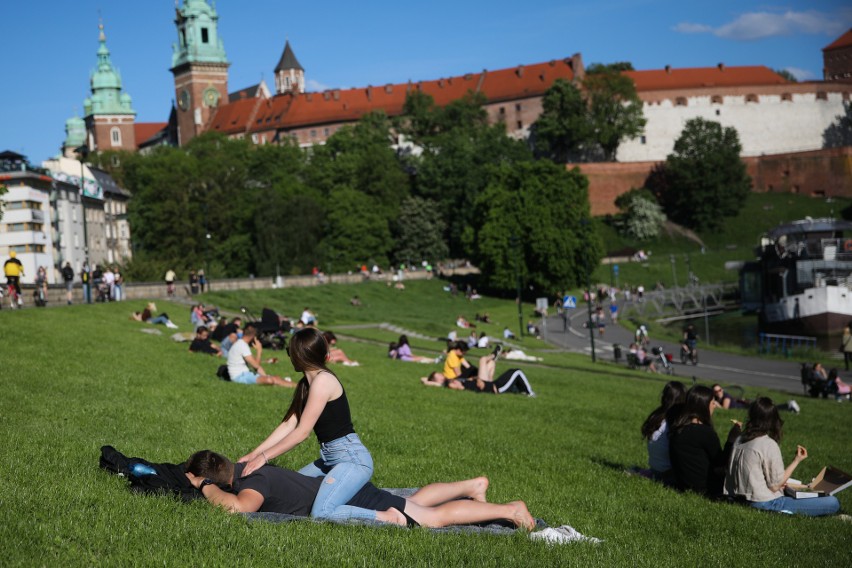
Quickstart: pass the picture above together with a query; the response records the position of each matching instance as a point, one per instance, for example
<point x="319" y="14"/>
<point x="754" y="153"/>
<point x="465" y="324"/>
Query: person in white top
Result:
<point x="109" y="280"/>
<point x="656" y="431"/>
<point x="308" y="317"/>
<point x="240" y="357"/>
<point x="756" y="472"/>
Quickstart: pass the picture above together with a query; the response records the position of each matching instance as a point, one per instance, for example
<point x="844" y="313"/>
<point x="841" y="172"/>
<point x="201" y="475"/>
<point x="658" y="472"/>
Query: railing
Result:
<point x="777" y="343"/>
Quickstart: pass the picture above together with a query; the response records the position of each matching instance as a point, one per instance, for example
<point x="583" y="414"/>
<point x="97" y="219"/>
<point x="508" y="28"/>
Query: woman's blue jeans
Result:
<point x="347" y="466"/>
<point x="816" y="507"/>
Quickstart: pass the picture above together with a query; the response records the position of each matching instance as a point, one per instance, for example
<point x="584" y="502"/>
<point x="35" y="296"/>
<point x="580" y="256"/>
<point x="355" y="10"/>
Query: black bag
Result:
<point x="222" y="373"/>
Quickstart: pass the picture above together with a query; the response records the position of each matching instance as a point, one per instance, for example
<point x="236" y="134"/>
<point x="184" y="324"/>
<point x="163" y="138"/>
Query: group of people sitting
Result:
<point x="459" y="374"/>
<point x="685" y="452"/>
<point x="820" y="383"/>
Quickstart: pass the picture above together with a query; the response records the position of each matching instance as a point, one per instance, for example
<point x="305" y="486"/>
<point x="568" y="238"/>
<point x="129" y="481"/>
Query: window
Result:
<point x="313" y="133"/>
<point x="502" y="110"/>
<point x="286" y="82"/>
<point x="716" y="99"/>
<point x="518" y="107"/>
<point x="76" y="240"/>
<point x="752" y="99"/>
<point x="17" y="227"/>
<point x="822" y="96"/>
<point x="643" y="139"/>
<point x="326" y="131"/>
<point x="680" y="101"/>
<point x="254" y="138"/>
<point x="520" y="124"/>
<point x="205" y="38"/>
<point x="14" y="205"/>
<point x="718" y="112"/>
<point x="115" y="161"/>
<point x="26" y="248"/>
<point x="115" y="136"/>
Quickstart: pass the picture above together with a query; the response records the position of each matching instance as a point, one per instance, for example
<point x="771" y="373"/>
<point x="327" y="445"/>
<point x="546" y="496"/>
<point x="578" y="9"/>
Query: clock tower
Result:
<point x="199" y="66"/>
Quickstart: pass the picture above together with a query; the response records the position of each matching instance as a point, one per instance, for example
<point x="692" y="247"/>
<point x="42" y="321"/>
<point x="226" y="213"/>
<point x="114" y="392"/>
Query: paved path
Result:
<point x="725" y="368"/>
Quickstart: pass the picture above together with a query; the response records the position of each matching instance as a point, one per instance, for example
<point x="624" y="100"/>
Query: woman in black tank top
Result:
<point x="320" y="404"/>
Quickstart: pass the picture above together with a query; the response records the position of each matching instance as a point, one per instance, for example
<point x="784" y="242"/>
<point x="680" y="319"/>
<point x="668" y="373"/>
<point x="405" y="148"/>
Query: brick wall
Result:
<point x="826" y="173"/>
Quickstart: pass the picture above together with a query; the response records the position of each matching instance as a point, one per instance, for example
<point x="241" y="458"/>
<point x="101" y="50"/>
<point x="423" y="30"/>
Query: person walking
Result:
<point x="170" y="282"/>
<point x="68" y="277"/>
<point x="86" y="279"/>
<point x="846" y="345"/>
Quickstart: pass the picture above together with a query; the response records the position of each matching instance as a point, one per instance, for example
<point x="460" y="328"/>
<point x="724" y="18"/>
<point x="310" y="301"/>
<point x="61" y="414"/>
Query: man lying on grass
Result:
<point x="277" y="490"/>
<point x="512" y="381"/>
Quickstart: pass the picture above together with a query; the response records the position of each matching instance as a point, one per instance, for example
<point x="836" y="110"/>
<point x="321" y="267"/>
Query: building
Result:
<point x="116" y="226"/>
<point x="837" y="59"/>
<point x="25" y="227"/>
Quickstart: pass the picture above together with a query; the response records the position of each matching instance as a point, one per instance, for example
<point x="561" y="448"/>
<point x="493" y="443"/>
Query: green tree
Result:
<point x="420" y="231"/>
<point x="605" y="67"/>
<point x="706" y="180"/>
<point x="547" y="210"/>
<point x="787" y="75"/>
<point x="563" y="128"/>
<point x="839" y="133"/>
<point x="641" y="216"/>
<point x="591" y="123"/>
<point x="356" y="232"/>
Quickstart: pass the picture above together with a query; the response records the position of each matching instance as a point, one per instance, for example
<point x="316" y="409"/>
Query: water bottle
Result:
<point x="141" y="470"/>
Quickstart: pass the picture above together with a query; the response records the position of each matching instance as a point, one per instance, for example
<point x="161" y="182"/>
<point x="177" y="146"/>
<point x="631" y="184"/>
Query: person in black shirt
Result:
<point x="278" y="490"/>
<point x="698" y="460"/>
<point x="68" y="277"/>
<point x="202" y="344"/>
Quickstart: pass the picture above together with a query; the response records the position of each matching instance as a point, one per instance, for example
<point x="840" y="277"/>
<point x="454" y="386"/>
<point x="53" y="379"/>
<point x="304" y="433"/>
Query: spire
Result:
<point x="107" y="97"/>
<point x="198" y="34"/>
<point x="288" y="59"/>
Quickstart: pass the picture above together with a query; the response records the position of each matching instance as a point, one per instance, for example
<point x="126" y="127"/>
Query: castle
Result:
<point x="771" y="114"/>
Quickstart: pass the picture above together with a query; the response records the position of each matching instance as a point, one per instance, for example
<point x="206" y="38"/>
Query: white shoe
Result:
<point x="170" y="325"/>
<point x="794" y="406"/>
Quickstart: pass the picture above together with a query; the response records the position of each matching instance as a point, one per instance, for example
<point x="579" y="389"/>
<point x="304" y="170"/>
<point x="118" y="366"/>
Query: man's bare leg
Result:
<point x="438" y="493"/>
<point x="486" y="368"/>
<point x="468" y="512"/>
<point x="277" y="381"/>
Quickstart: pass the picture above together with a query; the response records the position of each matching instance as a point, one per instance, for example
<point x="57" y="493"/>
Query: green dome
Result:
<point x="106" y="97"/>
<point x="75" y="132"/>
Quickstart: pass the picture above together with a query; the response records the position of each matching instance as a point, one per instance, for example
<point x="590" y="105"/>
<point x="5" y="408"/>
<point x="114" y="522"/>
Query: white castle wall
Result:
<point x="769" y="126"/>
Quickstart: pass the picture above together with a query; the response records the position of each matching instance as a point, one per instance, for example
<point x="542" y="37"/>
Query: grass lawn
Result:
<point x="80" y="377"/>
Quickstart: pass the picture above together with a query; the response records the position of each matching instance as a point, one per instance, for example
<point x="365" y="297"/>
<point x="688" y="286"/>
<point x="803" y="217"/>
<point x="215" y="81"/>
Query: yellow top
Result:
<point x="13" y="267"/>
<point x="453" y="361"/>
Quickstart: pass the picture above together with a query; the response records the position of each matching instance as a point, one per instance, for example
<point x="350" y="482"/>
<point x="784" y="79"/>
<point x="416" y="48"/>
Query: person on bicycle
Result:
<point x="14" y="270"/>
<point x="40" y="292"/>
<point x="690" y="340"/>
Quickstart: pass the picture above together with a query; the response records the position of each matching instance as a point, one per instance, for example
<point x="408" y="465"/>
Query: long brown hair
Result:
<point x="673" y="393"/>
<point x="308" y="351"/>
<point x="763" y="420"/>
<point x="697" y="406"/>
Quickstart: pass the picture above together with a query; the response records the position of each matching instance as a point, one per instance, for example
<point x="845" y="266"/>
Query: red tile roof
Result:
<point x="843" y="41"/>
<point x="233" y="117"/>
<point x="145" y="130"/>
<point x="697" y="77"/>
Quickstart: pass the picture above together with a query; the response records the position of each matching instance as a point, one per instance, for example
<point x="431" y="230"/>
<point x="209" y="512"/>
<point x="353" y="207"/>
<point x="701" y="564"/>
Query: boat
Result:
<point x="801" y="282"/>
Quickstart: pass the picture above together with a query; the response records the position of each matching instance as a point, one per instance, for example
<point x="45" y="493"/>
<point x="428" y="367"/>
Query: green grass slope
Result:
<point x="80" y="377"/>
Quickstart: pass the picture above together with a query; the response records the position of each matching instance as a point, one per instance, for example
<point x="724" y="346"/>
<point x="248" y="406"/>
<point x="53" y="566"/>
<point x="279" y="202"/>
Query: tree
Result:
<point x="547" y="210"/>
<point x="604" y="67"/>
<point x="563" y="128"/>
<point x="592" y="123"/>
<point x="3" y="190"/>
<point x="641" y="215"/>
<point x="356" y="231"/>
<point x="787" y="75"/>
<point x="420" y="231"/>
<point x="706" y="180"/>
<point x="839" y="134"/>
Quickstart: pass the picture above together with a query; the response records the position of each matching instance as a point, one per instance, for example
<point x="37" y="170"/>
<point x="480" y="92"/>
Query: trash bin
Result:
<point x="616" y="351"/>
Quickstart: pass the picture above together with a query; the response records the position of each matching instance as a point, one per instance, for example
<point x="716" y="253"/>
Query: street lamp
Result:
<point x="515" y="245"/>
<point x="674" y="272"/>
<point x="585" y="223"/>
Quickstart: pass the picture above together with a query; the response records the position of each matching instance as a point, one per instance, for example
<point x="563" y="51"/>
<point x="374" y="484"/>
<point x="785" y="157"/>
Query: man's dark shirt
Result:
<point x="202" y="346"/>
<point x="67" y="274"/>
<point x="290" y="492"/>
<point x="223" y="331"/>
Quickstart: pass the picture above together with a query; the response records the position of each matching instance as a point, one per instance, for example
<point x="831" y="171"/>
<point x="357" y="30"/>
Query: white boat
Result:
<point x="801" y="282"/>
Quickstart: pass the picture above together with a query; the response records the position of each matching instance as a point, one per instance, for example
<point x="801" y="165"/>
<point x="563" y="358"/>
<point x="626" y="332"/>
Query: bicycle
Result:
<point x="14" y="298"/>
<point x="688" y="352"/>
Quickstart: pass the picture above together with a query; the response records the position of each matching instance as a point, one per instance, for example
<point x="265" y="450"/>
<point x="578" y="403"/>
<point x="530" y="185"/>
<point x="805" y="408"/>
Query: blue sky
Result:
<point x="49" y="46"/>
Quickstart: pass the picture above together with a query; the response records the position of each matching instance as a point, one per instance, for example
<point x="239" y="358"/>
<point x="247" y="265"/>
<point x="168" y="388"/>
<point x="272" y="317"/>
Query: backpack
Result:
<point x="222" y="373"/>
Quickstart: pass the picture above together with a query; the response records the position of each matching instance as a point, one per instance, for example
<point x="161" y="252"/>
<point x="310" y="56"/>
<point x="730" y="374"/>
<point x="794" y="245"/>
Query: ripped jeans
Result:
<point x="347" y="465"/>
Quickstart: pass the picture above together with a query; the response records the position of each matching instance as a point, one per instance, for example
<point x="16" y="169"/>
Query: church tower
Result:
<point x="289" y="74"/>
<point x="199" y="66"/>
<point x="108" y="113"/>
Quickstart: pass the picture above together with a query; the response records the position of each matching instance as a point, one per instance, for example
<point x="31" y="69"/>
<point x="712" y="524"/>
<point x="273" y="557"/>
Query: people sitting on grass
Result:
<point x="756" y="474"/>
<point x="275" y="489"/>
<point x="202" y="343"/>
<point x="484" y="341"/>
<point x="335" y="353"/>
<point x="245" y="368"/>
<point x="472" y="340"/>
<point x="836" y="387"/>
<point x="533" y="330"/>
<point x="507" y="333"/>
<point x="456" y="366"/>
<point x="227" y="333"/>
<point x="403" y="352"/>
<point x="512" y="354"/>
<point x="308" y="317"/>
<point x="656" y="429"/>
<point x="642" y="357"/>
<point x="484" y="318"/>
<point x="147" y="316"/>
<point x="462" y="322"/>
<point x="698" y="460"/>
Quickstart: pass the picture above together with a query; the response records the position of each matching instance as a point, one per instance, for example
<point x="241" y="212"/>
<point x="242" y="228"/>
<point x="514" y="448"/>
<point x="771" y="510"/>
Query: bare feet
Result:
<point x="521" y="516"/>
<point x="480" y="488"/>
<point x="392" y="515"/>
